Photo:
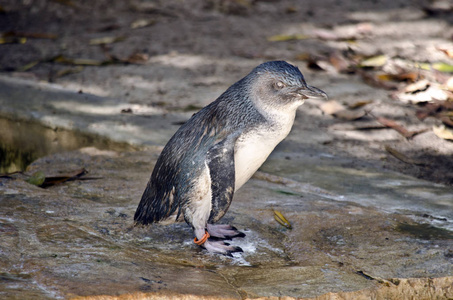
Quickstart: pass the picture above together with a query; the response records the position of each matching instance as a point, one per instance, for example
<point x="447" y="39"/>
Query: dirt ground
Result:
<point x="163" y="56"/>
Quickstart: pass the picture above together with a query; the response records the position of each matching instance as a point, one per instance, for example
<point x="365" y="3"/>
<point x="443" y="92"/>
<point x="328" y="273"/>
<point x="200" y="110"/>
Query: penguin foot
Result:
<point x="224" y="231"/>
<point x="221" y="247"/>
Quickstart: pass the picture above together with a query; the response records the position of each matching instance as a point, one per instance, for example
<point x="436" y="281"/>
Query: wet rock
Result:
<point x="78" y="239"/>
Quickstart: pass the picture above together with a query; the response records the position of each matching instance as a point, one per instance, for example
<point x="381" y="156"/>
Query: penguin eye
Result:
<point x="279" y="85"/>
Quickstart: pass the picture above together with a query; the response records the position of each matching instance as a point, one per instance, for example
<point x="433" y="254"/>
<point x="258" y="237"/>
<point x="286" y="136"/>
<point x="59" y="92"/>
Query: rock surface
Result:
<point x="359" y="231"/>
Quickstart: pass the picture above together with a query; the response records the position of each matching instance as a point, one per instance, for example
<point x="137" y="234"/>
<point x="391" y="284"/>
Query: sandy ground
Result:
<point x="166" y="56"/>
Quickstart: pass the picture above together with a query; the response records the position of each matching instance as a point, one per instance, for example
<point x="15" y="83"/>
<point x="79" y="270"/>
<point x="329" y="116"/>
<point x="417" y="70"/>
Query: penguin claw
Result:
<point x="224" y="231"/>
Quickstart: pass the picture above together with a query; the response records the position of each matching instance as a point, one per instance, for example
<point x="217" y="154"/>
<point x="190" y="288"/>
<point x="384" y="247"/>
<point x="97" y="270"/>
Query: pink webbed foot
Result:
<point x="219" y="247"/>
<point x="224" y="231"/>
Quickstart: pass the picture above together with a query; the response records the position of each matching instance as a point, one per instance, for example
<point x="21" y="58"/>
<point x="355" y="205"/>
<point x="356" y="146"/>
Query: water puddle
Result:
<point x="22" y="142"/>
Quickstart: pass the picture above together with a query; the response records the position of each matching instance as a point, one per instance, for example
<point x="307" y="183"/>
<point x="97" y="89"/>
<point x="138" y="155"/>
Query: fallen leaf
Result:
<point x="359" y="104"/>
<point x="304" y="56"/>
<point x="449" y="84"/>
<point x="106" y="40"/>
<point x="28" y="66"/>
<point x="32" y="35"/>
<point x="53" y="180"/>
<point x="439" y="66"/>
<point x="284" y="37"/>
<point x="291" y="9"/>
<point x="402" y="156"/>
<point x="442" y="110"/>
<point x="448" y="52"/>
<point x="350" y="115"/>
<point x="417" y="94"/>
<point x="278" y="216"/>
<point x="77" y="61"/>
<point x="340" y="63"/>
<point x="138" y="58"/>
<point x="12" y="40"/>
<point x="397" y="127"/>
<point x="418" y="86"/>
<point x="405" y="76"/>
<point x="375" y="81"/>
<point x="331" y="107"/>
<point x="68" y="71"/>
<point x="327" y="35"/>
<point x="374" y="62"/>
<point x="37" y="178"/>
<point x="140" y="23"/>
<point x="336" y="109"/>
<point x="443" y="132"/>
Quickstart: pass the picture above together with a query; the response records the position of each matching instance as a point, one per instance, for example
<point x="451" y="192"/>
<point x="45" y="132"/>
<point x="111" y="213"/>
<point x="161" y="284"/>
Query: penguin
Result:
<point x="219" y="148"/>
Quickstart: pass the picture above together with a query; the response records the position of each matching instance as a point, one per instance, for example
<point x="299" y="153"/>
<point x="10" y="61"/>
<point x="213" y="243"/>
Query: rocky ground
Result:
<point x="164" y="56"/>
<point x="364" y="222"/>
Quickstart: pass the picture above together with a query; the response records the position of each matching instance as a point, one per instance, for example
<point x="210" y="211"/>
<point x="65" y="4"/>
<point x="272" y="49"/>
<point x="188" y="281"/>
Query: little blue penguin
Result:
<point x="219" y="148"/>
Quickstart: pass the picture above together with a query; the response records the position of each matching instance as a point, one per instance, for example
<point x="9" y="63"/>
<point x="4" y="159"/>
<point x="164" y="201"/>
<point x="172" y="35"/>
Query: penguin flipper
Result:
<point x="220" y="160"/>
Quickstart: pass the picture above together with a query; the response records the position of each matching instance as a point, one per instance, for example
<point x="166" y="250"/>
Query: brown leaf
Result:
<point x="138" y="58"/>
<point x="448" y="52"/>
<point x="376" y="82"/>
<point x="340" y="63"/>
<point x="397" y="127"/>
<point x="402" y="156"/>
<point x="53" y="180"/>
<point x="359" y="104"/>
<point x="404" y="76"/>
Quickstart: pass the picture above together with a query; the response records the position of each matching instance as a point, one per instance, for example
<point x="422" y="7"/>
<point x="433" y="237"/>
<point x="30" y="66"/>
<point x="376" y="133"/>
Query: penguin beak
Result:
<point x="311" y="92"/>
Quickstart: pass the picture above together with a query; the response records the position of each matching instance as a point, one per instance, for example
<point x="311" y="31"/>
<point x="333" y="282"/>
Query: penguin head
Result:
<point x="279" y="84"/>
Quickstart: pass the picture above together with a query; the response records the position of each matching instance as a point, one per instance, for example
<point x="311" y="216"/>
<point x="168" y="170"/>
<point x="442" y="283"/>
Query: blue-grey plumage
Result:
<point x="220" y="147"/>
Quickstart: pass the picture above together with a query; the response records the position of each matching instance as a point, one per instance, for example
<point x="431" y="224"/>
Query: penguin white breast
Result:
<point x="253" y="148"/>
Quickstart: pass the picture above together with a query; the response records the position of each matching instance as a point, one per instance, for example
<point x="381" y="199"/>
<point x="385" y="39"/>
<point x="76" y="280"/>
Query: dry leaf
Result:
<point x="402" y="156"/>
<point x="340" y="63"/>
<point x="28" y="66"/>
<point x="400" y="129"/>
<point x="404" y="76"/>
<point x="374" y="62"/>
<point x="443" y="132"/>
<point x="280" y="218"/>
<point x="448" y="52"/>
<point x="359" y="104"/>
<point x="375" y="81"/>
<point x="350" y="115"/>
<point x="431" y="93"/>
<point x="106" y="40"/>
<point x="439" y="66"/>
<point x="449" y="84"/>
<point x="53" y="180"/>
<point x="331" y="107"/>
<point x="327" y="35"/>
<point x="140" y="23"/>
<point x="80" y="61"/>
<point x="336" y="109"/>
<point x="290" y="37"/>
<point x="12" y="40"/>
<point x="138" y="58"/>
<point x="32" y="35"/>
<point x="418" y="86"/>
<point x="68" y="71"/>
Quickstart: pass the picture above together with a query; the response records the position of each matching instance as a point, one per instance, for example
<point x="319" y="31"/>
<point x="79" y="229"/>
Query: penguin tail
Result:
<point x="155" y="208"/>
